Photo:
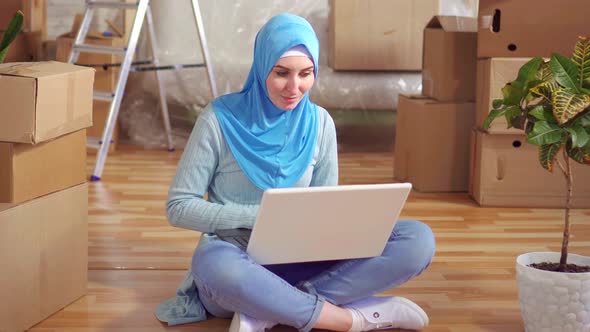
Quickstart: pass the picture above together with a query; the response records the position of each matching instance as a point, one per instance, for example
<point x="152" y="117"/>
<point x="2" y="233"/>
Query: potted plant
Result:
<point x="10" y="34"/>
<point x="550" y="102"/>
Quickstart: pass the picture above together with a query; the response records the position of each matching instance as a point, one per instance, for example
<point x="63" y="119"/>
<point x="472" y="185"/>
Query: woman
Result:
<point x="266" y="136"/>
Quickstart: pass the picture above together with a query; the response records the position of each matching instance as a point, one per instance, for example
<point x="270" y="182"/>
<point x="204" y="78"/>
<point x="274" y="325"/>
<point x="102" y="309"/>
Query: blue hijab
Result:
<point x="272" y="146"/>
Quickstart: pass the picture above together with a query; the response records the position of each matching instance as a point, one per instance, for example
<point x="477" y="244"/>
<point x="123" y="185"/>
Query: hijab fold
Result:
<point x="272" y="146"/>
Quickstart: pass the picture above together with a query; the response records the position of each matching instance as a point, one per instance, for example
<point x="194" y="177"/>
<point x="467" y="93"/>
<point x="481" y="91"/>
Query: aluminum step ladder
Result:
<point x="142" y="8"/>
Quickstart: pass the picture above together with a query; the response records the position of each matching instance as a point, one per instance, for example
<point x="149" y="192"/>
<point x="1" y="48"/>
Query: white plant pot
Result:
<point x="553" y="301"/>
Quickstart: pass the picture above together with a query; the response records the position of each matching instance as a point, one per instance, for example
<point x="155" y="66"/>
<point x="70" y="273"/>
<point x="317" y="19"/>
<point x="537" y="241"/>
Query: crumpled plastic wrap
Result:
<point x="230" y="27"/>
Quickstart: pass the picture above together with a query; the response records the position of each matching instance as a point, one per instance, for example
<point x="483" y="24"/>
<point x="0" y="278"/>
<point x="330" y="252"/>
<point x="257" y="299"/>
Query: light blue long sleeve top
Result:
<point x="208" y="166"/>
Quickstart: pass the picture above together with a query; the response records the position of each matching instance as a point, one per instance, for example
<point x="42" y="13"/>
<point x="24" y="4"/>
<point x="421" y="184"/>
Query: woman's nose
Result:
<point x="292" y="84"/>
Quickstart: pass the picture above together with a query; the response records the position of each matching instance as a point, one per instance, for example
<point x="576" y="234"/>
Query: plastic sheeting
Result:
<point x="231" y="27"/>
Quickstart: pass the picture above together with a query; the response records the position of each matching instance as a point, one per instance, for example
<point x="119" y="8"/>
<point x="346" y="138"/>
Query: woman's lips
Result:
<point x="289" y="99"/>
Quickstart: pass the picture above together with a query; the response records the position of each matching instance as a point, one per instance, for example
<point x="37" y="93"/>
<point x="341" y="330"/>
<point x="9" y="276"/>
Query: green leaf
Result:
<point x="542" y="113"/>
<point x="528" y="71"/>
<point x="565" y="71"/>
<point x="512" y="112"/>
<point x="584" y="120"/>
<point x="547" y="155"/>
<point x="581" y="58"/>
<point x="545" y="90"/>
<point x="11" y="33"/>
<point x="567" y="104"/>
<point x="495" y="113"/>
<point x="545" y="133"/>
<point x="497" y="103"/>
<point x="579" y="136"/>
<point x="513" y="94"/>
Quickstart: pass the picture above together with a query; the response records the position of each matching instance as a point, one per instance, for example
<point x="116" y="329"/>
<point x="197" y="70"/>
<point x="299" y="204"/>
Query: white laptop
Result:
<point x="306" y="224"/>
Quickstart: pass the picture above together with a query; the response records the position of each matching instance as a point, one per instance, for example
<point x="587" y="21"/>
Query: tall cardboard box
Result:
<point x="34" y="11"/>
<point x="44" y="100"/>
<point x="505" y="171"/>
<point x="28" y="171"/>
<point x="43" y="256"/>
<point x="378" y="34"/>
<point x="529" y="28"/>
<point x="492" y="76"/>
<point x="449" y="60"/>
<point x="432" y="143"/>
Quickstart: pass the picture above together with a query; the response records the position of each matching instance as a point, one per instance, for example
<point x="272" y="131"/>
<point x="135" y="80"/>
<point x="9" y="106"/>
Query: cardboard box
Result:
<point x="505" y="171"/>
<point x="510" y="28"/>
<point x="43" y="256"/>
<point x="449" y="61"/>
<point x="378" y="34"/>
<point x="105" y="78"/>
<point x="492" y="76"/>
<point x="29" y="171"/>
<point x="432" y="143"/>
<point x="44" y="100"/>
<point x="34" y="11"/>
<point x="100" y="114"/>
<point x="26" y="47"/>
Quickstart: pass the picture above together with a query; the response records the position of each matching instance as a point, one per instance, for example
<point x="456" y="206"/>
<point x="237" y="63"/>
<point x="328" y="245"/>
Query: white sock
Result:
<point x="358" y="321"/>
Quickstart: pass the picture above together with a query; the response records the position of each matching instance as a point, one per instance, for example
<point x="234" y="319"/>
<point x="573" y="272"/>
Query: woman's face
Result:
<point x="289" y="80"/>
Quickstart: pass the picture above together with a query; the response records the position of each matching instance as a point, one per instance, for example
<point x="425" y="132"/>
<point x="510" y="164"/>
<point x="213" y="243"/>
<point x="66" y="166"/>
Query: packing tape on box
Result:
<point x="18" y="69"/>
<point x="71" y="122"/>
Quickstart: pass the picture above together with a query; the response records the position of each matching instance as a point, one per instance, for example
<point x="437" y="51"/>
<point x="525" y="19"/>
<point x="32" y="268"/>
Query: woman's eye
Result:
<point x="305" y="74"/>
<point x="282" y="73"/>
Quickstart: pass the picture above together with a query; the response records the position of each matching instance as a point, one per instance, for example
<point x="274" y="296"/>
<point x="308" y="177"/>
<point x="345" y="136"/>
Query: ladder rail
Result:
<point x="82" y="32"/>
<point x="107" y="135"/>
<point x="143" y="12"/>
<point x="161" y="89"/>
<point x="204" y="47"/>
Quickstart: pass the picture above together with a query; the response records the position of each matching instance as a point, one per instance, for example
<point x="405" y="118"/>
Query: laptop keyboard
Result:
<point x="238" y="236"/>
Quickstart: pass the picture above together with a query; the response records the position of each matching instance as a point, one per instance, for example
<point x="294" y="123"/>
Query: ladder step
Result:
<point x="106" y="96"/>
<point x="93" y="143"/>
<point x="112" y="4"/>
<point x="89" y="48"/>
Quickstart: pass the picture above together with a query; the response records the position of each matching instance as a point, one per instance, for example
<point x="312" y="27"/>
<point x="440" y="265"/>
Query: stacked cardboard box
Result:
<point x="105" y="78"/>
<point x="378" y="34"/>
<point x="504" y="168"/>
<point x="46" y="107"/>
<point x="432" y="130"/>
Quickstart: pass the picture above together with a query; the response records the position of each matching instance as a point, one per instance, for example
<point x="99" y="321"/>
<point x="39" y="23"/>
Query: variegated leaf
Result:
<point x="544" y="73"/>
<point x="579" y="155"/>
<point x="547" y="153"/>
<point x="581" y="58"/>
<point x="567" y="104"/>
<point x="545" y="89"/>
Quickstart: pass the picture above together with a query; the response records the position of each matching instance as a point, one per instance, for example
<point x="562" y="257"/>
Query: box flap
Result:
<point x="453" y="23"/>
<point x="38" y="69"/>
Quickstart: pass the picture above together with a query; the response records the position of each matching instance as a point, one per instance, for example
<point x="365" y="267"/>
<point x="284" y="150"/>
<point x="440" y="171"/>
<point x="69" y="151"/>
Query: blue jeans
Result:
<point x="293" y="294"/>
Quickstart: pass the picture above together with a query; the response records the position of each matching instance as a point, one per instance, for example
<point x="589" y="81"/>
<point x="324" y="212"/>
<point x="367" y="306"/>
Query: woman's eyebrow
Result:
<point x="283" y="67"/>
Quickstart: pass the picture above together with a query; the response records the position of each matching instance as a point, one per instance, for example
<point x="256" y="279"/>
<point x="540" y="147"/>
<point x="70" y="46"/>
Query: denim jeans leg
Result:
<point x="408" y="252"/>
<point x="229" y="281"/>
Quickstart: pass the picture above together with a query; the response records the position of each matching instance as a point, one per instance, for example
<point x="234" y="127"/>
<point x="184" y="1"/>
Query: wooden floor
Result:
<point x="136" y="259"/>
